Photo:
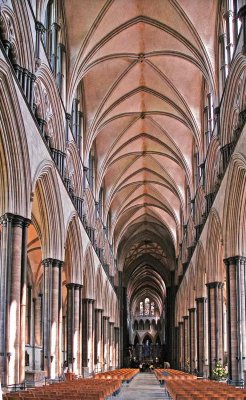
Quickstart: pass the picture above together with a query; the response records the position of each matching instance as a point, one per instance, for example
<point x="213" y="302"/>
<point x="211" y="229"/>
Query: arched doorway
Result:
<point x="147" y="348"/>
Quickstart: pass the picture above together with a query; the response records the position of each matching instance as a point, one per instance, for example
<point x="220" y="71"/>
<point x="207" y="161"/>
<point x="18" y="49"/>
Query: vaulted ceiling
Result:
<point x="143" y="64"/>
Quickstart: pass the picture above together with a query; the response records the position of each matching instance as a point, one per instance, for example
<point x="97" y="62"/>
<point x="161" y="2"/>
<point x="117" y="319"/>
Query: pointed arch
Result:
<point x="51" y="107"/>
<point x="214" y="250"/>
<point x="15" y="175"/>
<point x="89" y="274"/>
<point x="234" y="213"/>
<point x="74" y="252"/>
<point x="200" y="271"/>
<point x="47" y="210"/>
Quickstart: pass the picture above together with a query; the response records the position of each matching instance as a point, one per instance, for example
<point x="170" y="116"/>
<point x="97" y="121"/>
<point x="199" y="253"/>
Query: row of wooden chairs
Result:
<point x="169" y="374"/>
<point x="194" y="389"/>
<point x="125" y="375"/>
<point x="81" y="389"/>
<point x="100" y="387"/>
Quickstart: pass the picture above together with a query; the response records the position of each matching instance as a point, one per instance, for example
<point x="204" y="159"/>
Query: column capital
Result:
<point x="185" y="317"/>
<point x="234" y="260"/>
<point x="111" y="323"/>
<point x="99" y="309"/>
<point x="78" y="286"/>
<point x="88" y="301"/>
<point x="17" y="220"/>
<point x="39" y="26"/>
<point x="213" y="285"/>
<point x="201" y="299"/>
<point x="181" y="323"/>
<point x="105" y="317"/>
<point x="70" y="285"/>
<point x="116" y="327"/>
<point x="193" y="309"/>
<point x="53" y="262"/>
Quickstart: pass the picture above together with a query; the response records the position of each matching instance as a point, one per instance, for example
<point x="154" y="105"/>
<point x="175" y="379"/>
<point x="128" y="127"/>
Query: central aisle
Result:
<point x="143" y="386"/>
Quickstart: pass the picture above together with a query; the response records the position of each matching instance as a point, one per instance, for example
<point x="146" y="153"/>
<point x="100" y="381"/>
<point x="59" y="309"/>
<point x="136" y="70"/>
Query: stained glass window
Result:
<point x="146" y="306"/>
<point x="152" y="309"/>
<point x="141" y="309"/>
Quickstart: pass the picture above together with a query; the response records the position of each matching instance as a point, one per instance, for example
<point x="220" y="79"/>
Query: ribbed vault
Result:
<point x="142" y="66"/>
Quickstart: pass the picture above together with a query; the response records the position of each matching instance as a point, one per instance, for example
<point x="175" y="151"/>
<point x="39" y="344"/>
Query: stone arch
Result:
<point x="234" y="214"/>
<point x="47" y="211"/>
<point x="200" y="271"/>
<point x="15" y="176"/>
<point x="214" y="250"/>
<point x="192" y="287"/>
<point x="212" y="166"/>
<point x="199" y="206"/>
<point x="50" y="107"/>
<point x="99" y="286"/>
<point x="89" y="208"/>
<point x="16" y="29"/>
<point x="106" y="298"/>
<point x="235" y="100"/>
<point x="74" y="170"/>
<point x="89" y="274"/>
<point x="74" y="252"/>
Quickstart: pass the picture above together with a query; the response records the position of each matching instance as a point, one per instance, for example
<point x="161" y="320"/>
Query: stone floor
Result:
<point x="143" y="387"/>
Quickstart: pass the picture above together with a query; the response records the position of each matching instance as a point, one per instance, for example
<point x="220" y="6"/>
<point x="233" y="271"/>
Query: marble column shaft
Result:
<point x="73" y="326"/>
<point x="117" y="349"/>
<point x="13" y="300"/>
<point x="105" y="342"/>
<point x="51" y="316"/>
<point x="236" y="322"/>
<point x="88" y="333"/>
<point x="192" y="336"/>
<point x="215" y="324"/>
<point x="186" y="340"/>
<point x="181" y="345"/>
<point x="200" y="332"/>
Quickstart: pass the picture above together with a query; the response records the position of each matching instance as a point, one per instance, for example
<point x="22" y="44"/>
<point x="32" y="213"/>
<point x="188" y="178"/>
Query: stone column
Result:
<point x="37" y="327"/>
<point x="88" y="334"/>
<point x="12" y="301"/>
<point x="192" y="335"/>
<point x="55" y="29"/>
<point x="177" y="346"/>
<point x="51" y="316"/>
<point x="38" y="320"/>
<point x="117" y="349"/>
<point x="181" y="345"/>
<point x="80" y="330"/>
<point x="25" y="224"/>
<point x="186" y="341"/>
<point x="111" y="345"/>
<point x="105" y="342"/>
<point x="200" y="333"/>
<point x="215" y="324"/>
<point x="98" y="338"/>
<point x="236" y="323"/>
<point x="70" y="324"/>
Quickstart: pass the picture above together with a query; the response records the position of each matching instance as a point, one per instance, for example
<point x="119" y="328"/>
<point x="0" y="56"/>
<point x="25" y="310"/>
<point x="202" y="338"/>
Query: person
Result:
<point x="65" y="368"/>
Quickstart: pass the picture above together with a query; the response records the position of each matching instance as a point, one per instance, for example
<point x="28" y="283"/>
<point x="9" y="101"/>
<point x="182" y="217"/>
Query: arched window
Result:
<point x="152" y="309"/>
<point x="141" y="308"/>
<point x="147" y="306"/>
